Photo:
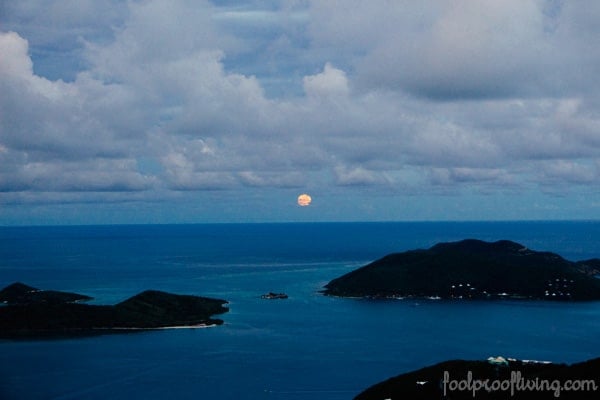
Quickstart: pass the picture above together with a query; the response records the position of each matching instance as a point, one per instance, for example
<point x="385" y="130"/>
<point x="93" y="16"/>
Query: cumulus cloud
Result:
<point x="52" y="139"/>
<point x="172" y="97"/>
<point x="330" y="82"/>
<point x="471" y="50"/>
<point x="56" y="30"/>
<point x="461" y="49"/>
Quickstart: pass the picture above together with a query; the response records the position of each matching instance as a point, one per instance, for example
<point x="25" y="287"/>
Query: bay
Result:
<point x="308" y="346"/>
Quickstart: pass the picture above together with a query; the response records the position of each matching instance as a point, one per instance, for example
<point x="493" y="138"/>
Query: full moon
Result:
<point x="304" y="200"/>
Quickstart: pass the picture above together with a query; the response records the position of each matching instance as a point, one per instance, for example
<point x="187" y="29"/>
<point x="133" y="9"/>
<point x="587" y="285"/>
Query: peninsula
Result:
<point x="472" y="269"/>
<point x="29" y="313"/>
<point x="532" y="380"/>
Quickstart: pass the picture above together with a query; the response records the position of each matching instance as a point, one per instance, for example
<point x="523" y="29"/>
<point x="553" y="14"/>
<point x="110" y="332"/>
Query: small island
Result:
<point x="528" y="379"/>
<point x="472" y="269"/>
<point x="274" y="296"/>
<point x="29" y="312"/>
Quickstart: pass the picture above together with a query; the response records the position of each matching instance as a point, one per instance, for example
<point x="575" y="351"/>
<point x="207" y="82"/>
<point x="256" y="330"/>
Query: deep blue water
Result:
<point x="306" y="347"/>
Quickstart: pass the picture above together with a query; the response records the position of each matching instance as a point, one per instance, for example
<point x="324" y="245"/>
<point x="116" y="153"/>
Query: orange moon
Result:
<point x="304" y="200"/>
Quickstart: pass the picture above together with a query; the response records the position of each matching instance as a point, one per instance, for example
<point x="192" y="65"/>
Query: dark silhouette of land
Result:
<point x="19" y="293"/>
<point x="532" y="381"/>
<point x="472" y="269"/>
<point x="30" y="312"/>
<point x="274" y="296"/>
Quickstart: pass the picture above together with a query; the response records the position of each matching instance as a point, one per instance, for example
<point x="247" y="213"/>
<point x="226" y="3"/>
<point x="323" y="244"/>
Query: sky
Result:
<point x="177" y="111"/>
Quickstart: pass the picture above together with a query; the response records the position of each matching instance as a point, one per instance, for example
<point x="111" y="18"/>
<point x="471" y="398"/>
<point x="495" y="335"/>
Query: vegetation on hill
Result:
<point x="64" y="316"/>
<point x="19" y="293"/>
<point x="532" y="381"/>
<point x="472" y="269"/>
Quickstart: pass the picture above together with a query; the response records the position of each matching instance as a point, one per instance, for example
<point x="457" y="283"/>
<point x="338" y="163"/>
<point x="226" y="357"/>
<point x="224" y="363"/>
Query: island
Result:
<point x="28" y="314"/>
<point x="19" y="293"/>
<point x="506" y="378"/>
<point x="472" y="269"/>
<point x="274" y="296"/>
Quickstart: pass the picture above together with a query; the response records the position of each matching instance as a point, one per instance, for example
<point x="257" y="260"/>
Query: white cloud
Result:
<point x="171" y="97"/>
<point x="14" y="62"/>
<point x="53" y="139"/>
<point x="330" y="82"/>
<point x="461" y="49"/>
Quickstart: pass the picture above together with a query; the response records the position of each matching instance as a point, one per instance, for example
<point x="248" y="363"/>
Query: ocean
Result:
<point x="306" y="347"/>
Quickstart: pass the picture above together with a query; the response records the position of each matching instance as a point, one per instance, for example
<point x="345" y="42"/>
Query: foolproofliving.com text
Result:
<point x="516" y="383"/>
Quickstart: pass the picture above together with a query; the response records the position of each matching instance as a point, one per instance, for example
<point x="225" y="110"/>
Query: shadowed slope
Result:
<point x="19" y="293"/>
<point x="471" y="269"/>
<point x="429" y="383"/>
<point x="147" y="310"/>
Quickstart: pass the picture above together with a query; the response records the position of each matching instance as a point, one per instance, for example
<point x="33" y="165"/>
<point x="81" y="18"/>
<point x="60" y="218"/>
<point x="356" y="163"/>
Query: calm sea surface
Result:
<point x="306" y="347"/>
